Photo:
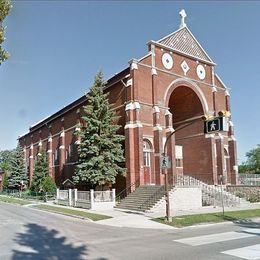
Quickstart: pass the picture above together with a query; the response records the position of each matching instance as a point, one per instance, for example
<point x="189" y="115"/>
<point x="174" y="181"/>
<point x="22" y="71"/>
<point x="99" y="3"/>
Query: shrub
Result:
<point x="48" y="185"/>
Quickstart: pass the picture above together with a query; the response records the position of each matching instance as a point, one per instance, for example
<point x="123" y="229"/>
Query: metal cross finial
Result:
<point x="183" y="15"/>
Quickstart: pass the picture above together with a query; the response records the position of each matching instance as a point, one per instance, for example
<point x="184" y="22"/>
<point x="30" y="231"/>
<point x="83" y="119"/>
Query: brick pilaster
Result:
<point x="50" y="157"/>
<point x="31" y="164"/>
<point x="61" y="153"/>
<point x="170" y="147"/>
<point x="221" y="158"/>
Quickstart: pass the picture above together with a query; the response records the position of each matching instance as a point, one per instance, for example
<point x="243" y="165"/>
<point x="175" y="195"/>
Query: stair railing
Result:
<point x="212" y="194"/>
<point x="125" y="192"/>
<point x="153" y="199"/>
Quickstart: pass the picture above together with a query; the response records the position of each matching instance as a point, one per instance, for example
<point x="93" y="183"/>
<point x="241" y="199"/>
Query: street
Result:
<point x="27" y="233"/>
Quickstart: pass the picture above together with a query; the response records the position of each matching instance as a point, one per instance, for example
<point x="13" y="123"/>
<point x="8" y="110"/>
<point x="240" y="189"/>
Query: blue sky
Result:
<point x="58" y="46"/>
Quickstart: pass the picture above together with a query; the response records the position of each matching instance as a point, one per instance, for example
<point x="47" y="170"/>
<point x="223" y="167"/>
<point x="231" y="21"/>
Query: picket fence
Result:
<point x="94" y="200"/>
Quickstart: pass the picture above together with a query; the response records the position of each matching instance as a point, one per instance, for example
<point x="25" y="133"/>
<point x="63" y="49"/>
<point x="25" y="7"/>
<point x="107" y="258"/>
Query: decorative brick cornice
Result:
<point x="154" y="71"/>
<point x="129" y="83"/>
<point x="156" y="109"/>
<point x="133" y="125"/>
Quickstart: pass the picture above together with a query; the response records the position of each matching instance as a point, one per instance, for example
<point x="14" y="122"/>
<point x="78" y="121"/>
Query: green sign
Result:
<point x="216" y="124"/>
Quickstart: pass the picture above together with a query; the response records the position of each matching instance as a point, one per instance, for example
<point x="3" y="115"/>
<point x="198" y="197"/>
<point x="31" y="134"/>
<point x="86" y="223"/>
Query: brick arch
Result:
<point x="147" y="141"/>
<point x="189" y="84"/>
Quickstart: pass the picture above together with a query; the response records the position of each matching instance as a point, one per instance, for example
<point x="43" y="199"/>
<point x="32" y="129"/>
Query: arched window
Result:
<point x="226" y="156"/>
<point x="147" y="149"/>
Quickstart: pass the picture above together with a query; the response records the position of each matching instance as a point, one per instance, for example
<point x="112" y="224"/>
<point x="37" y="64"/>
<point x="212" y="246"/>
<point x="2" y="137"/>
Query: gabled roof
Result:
<point x="184" y="41"/>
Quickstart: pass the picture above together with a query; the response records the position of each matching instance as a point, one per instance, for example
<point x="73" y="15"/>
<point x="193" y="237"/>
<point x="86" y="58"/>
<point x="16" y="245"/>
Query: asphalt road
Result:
<point x="27" y="233"/>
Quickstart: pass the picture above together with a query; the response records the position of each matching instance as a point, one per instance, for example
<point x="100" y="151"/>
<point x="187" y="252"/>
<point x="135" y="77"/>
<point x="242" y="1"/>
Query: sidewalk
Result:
<point x="133" y="219"/>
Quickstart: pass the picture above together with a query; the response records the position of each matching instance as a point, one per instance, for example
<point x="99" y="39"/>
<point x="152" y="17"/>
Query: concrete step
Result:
<point x="139" y="199"/>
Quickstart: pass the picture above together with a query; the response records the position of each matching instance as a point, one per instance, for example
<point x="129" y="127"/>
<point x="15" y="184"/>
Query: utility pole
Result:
<point x="165" y="169"/>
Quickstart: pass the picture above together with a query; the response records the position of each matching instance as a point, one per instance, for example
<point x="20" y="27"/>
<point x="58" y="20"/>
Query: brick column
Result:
<point x="211" y="175"/>
<point x="170" y="147"/>
<point x="50" y="157"/>
<point x="133" y="144"/>
<point x="61" y="154"/>
<point x="31" y="164"/>
<point x="129" y="145"/>
<point x="214" y="160"/>
<point x="25" y="159"/>
<point x="220" y="157"/>
<point x="138" y="131"/>
<point x="40" y="146"/>
<point x="214" y="91"/>
<point x="158" y="146"/>
<point x="227" y="99"/>
<point x="232" y="143"/>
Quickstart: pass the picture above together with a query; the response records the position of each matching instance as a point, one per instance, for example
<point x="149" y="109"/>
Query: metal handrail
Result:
<point x="125" y="192"/>
<point x="153" y="198"/>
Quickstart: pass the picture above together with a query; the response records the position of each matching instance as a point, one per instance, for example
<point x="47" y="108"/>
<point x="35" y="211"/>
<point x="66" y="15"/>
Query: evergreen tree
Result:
<point x="17" y="171"/>
<point x="41" y="171"/>
<point x="5" y="160"/>
<point x="5" y="181"/>
<point x="49" y="185"/>
<point x="100" y="154"/>
<point x="5" y="7"/>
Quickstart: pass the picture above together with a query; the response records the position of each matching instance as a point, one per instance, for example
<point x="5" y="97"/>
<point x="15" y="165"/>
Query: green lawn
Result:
<point x="14" y="200"/>
<point x="189" y="220"/>
<point x="84" y="214"/>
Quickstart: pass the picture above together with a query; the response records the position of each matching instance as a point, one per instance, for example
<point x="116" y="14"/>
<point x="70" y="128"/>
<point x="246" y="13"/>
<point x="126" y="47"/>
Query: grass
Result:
<point x="189" y="220"/>
<point x="14" y="200"/>
<point x="84" y="214"/>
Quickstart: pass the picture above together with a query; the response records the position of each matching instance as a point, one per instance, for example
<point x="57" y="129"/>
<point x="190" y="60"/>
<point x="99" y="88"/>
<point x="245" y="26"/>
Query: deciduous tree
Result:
<point x="5" y="8"/>
<point x="252" y="164"/>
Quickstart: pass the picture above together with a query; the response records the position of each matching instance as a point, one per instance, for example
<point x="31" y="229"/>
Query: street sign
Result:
<point x="165" y="162"/>
<point x="216" y="124"/>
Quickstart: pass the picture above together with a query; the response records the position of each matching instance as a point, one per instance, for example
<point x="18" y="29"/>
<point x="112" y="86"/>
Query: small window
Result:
<point x="56" y="157"/>
<point x="70" y="153"/>
<point x="178" y="162"/>
<point x="147" y="159"/>
<point x="147" y="153"/>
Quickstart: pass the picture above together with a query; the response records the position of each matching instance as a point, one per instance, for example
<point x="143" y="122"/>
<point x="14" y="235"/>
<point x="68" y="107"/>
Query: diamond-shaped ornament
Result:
<point x="185" y="67"/>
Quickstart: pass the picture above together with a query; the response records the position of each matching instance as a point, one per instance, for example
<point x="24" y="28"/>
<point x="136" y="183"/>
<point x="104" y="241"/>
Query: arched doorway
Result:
<point x="187" y="106"/>
<point x="147" y="155"/>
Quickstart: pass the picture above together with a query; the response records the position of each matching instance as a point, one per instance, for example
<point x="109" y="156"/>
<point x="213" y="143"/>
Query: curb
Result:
<point x="60" y="213"/>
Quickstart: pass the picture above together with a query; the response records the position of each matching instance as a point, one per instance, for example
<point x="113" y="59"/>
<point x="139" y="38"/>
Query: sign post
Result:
<point x="165" y="164"/>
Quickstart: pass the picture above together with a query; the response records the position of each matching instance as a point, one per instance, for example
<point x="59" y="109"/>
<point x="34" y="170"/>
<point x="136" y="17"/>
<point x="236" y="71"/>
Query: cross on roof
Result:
<point x="183" y="15"/>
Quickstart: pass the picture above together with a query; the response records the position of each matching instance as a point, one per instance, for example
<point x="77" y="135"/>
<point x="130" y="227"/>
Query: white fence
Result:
<point x="103" y="196"/>
<point x="95" y="200"/>
<point x="249" y="179"/>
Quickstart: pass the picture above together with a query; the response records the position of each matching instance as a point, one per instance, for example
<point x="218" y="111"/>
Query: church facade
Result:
<point x="161" y="96"/>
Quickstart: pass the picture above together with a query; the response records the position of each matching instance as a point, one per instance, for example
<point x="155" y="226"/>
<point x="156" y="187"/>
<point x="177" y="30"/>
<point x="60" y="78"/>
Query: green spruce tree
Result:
<point x="100" y="154"/>
<point x="5" y="8"/>
<point x="49" y="185"/>
<point x="41" y="171"/>
<point x="17" y="171"/>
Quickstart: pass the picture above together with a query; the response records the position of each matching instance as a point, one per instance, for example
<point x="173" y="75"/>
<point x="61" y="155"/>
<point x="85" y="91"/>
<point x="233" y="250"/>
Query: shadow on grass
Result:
<point x="240" y="221"/>
<point x="41" y="243"/>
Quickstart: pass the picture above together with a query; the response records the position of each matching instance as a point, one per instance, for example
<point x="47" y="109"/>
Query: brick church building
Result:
<point x="167" y="90"/>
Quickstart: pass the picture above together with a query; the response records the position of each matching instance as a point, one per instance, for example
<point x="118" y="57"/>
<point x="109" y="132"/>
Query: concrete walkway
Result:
<point x="125" y="218"/>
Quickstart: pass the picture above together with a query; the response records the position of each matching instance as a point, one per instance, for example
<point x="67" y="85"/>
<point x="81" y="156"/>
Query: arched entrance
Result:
<point x="187" y="104"/>
<point x="147" y="155"/>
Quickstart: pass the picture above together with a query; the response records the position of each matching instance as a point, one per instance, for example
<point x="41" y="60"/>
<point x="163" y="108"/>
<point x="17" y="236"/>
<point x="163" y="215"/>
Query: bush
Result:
<point x="6" y="181"/>
<point x="49" y="185"/>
